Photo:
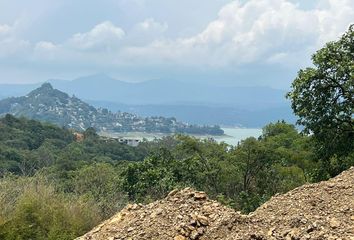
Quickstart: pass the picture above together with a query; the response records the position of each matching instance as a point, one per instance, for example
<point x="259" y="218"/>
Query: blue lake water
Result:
<point x="235" y="135"/>
<point x="232" y="135"/>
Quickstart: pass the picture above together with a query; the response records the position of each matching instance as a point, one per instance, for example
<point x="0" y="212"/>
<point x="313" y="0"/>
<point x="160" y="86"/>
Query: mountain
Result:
<point x="170" y="91"/>
<point x="206" y="114"/>
<point x="186" y="99"/>
<point x="48" y="104"/>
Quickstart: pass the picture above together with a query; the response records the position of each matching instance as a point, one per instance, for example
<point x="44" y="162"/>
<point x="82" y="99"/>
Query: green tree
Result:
<point x="100" y="182"/>
<point x="90" y="133"/>
<point x="323" y="98"/>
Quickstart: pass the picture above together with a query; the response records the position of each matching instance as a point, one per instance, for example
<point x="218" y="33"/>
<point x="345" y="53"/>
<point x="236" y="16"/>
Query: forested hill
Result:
<point x="28" y="145"/>
<point x="52" y="105"/>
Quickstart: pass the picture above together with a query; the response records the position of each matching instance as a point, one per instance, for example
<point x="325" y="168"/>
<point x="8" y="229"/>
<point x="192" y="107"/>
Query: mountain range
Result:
<point x="188" y="101"/>
<point x="48" y="104"/>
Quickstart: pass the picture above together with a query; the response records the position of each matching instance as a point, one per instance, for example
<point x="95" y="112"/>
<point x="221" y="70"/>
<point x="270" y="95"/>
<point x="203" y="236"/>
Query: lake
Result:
<point x="232" y="135"/>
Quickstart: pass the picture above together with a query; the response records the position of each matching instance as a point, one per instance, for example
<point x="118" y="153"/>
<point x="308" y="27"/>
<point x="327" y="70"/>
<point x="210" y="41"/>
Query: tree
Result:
<point x="251" y="160"/>
<point x="90" y="133"/>
<point x="101" y="182"/>
<point x="323" y="97"/>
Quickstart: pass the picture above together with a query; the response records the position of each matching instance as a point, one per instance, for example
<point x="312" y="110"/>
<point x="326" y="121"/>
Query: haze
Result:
<point x="219" y="42"/>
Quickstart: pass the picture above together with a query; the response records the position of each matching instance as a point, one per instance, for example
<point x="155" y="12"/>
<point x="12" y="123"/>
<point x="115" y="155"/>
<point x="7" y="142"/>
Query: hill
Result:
<point x="190" y="101"/>
<point x="48" y="104"/>
<point x="317" y="211"/>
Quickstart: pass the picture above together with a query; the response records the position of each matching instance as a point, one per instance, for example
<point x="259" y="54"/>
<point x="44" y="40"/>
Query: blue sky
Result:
<point x="254" y="42"/>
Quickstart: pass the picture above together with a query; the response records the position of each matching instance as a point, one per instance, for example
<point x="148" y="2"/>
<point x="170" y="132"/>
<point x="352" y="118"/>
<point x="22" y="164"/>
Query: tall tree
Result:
<point x="323" y="97"/>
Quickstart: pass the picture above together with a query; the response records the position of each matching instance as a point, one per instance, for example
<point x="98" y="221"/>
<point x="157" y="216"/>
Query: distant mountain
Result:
<point x="187" y="100"/>
<point x="167" y="92"/>
<point x="206" y="114"/>
<point x="48" y="104"/>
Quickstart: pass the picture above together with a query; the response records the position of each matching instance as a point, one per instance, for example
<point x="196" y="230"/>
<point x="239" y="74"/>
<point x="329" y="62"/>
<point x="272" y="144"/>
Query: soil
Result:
<point x="323" y="210"/>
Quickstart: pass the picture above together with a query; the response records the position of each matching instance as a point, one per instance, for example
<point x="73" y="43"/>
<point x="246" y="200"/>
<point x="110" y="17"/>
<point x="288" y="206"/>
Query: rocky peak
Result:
<point x="46" y="86"/>
<point x="46" y="89"/>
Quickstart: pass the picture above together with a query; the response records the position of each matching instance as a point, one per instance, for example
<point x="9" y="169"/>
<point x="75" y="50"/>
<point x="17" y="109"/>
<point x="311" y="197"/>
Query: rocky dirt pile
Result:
<point x="318" y="211"/>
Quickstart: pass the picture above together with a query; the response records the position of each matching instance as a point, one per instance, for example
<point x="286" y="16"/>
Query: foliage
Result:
<point x="101" y="183"/>
<point x="27" y="146"/>
<point x="323" y="98"/>
<point x="101" y="174"/>
<point x="243" y="176"/>
<point x="38" y="211"/>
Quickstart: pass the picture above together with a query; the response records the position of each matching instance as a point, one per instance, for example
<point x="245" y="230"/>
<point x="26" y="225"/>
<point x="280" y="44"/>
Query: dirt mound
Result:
<point x="318" y="211"/>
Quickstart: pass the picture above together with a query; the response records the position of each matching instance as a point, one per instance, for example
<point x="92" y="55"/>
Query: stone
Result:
<point x="203" y="220"/>
<point x="194" y="235"/>
<point x="200" y="196"/>
<point x="159" y="211"/>
<point x="334" y="223"/>
<point x="179" y="237"/>
<point x="172" y="193"/>
<point x="271" y="231"/>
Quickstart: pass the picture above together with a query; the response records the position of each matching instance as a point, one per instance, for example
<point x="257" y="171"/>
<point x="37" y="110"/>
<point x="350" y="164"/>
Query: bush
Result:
<point x="38" y="211"/>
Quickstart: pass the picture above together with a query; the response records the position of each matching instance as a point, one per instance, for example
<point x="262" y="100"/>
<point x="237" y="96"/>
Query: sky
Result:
<point x="220" y="42"/>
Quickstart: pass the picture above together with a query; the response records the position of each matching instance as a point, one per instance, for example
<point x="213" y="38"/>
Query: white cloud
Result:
<point x="104" y="36"/>
<point x="10" y="45"/>
<point x="276" y="32"/>
<point x="151" y="25"/>
<point x="4" y="29"/>
<point x="257" y="31"/>
<point x="45" y="46"/>
<point x="47" y="51"/>
<point x="145" y="32"/>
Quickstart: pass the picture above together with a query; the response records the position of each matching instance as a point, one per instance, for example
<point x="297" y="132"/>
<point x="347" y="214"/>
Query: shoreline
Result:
<point x="232" y="136"/>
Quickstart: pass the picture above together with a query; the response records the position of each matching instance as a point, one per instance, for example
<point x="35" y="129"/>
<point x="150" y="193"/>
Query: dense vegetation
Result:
<point x="53" y="186"/>
<point x="47" y="175"/>
<point x="323" y="98"/>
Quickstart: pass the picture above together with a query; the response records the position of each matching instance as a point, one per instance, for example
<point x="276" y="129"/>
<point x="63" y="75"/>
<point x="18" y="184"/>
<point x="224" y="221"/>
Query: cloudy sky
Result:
<point x="249" y="42"/>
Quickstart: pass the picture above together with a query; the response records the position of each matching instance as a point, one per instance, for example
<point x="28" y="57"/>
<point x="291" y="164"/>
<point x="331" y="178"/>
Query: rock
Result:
<point x="203" y="220"/>
<point x="194" y="235"/>
<point x="293" y="235"/>
<point x="334" y="223"/>
<point x="172" y="193"/>
<point x="200" y="196"/>
<point x="271" y="231"/>
<point x="179" y="237"/>
<point x="159" y="211"/>
<point x="201" y="230"/>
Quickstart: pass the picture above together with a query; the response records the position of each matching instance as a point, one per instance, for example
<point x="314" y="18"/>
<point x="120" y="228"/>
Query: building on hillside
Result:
<point x="79" y="137"/>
